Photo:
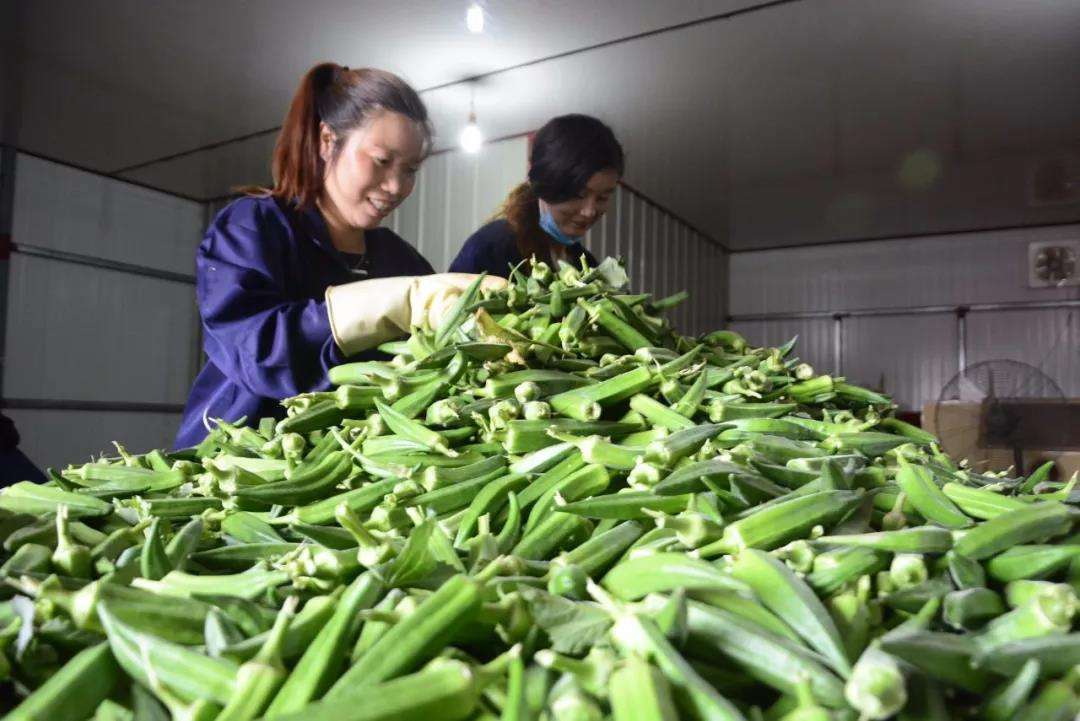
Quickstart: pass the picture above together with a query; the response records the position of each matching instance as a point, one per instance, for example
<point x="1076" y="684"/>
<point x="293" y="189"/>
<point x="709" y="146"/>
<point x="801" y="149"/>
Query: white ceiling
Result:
<point x="794" y="123"/>
<point x="152" y="78"/>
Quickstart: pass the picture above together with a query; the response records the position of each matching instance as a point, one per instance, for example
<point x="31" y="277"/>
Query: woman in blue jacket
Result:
<point x="294" y="279"/>
<point x="574" y="167"/>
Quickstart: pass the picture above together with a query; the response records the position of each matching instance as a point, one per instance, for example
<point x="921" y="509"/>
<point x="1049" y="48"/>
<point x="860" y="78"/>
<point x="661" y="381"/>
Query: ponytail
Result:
<point x="345" y="100"/>
<point x="522" y="212"/>
<point x="297" y="162"/>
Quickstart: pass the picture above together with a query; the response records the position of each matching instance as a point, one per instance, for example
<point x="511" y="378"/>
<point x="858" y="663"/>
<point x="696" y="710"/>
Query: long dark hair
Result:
<point x="344" y="99"/>
<point x="566" y="152"/>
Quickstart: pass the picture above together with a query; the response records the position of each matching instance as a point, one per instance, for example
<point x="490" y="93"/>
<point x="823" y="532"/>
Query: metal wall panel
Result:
<point x="432" y="210"/>
<point x="686" y="277"/>
<point x="708" y="293"/>
<point x="663" y="256"/>
<point x="405" y="221"/>
<point x="918" y="354"/>
<point x="665" y="259"/>
<point x="705" y="298"/>
<point x="711" y="295"/>
<point x="912" y="356"/>
<point x="964" y="268"/>
<point x="61" y="208"/>
<point x="81" y="333"/>
<point x="502" y="166"/>
<point x="455" y="194"/>
<point x="638" y="247"/>
<point x="57" y="438"/>
<point x="650" y="269"/>
<point x="671" y="249"/>
<point x="711" y="292"/>
<point x="1046" y="339"/>
<point x="692" y="280"/>
<point x="460" y="205"/>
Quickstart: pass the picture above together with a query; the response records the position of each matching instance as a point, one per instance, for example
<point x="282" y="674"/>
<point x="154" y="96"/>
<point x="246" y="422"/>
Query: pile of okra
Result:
<point x="555" y="508"/>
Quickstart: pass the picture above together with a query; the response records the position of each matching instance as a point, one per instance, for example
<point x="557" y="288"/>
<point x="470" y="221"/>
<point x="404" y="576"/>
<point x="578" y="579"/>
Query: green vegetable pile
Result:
<point x="554" y="507"/>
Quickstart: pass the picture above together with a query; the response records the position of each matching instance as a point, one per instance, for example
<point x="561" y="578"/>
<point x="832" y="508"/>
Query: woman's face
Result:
<point x="575" y="216"/>
<point x="375" y="169"/>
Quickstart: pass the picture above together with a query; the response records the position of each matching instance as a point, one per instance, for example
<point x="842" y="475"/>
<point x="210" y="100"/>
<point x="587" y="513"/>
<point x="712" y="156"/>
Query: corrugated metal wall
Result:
<point x="663" y="256"/>
<point x="78" y="333"/>
<point x="963" y="268"/>
<point x="1046" y="339"/>
<point x="912" y="357"/>
<point x="455" y="194"/>
<point x="915" y="354"/>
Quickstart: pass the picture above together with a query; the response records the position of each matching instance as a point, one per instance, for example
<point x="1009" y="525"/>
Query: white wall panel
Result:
<point x="406" y="219"/>
<point x="75" y="332"/>
<point x="710" y="293"/>
<point x="71" y="210"/>
<point x="502" y="166"/>
<point x="966" y="268"/>
<point x="636" y="241"/>
<point x="664" y="269"/>
<point x="635" y="247"/>
<point x="663" y="256"/>
<point x="455" y="194"/>
<point x="697" y="300"/>
<point x="815" y="338"/>
<point x="685" y="278"/>
<point x="57" y="438"/>
<point x="715" y="284"/>
<point x="431" y="225"/>
<point x="460" y="203"/>
<point x="649" y="265"/>
<point x="1046" y="339"/>
<point x="918" y="354"/>
<point x="912" y="357"/>
<point x="705" y="297"/>
<point x="81" y="333"/>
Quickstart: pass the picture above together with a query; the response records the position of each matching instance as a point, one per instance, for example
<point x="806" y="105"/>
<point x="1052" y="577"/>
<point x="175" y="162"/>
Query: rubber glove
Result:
<point x="365" y="313"/>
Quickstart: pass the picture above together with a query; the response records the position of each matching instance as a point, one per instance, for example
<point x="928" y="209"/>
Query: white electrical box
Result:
<point x="1053" y="263"/>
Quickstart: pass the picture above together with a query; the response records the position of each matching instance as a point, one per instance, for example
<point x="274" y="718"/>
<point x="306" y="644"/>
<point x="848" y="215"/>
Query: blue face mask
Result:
<point x="547" y="224"/>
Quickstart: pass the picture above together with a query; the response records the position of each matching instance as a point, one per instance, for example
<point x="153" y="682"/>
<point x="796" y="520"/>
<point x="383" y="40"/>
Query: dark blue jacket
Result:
<point x="14" y="466"/>
<point x="493" y="248"/>
<point x="261" y="275"/>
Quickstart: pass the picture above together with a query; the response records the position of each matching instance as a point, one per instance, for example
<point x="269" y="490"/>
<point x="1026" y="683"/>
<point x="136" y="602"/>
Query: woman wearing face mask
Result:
<point x="294" y="279"/>
<point x="574" y="167"/>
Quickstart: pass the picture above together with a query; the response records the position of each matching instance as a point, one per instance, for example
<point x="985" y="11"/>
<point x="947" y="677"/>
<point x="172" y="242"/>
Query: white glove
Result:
<point x="365" y="313"/>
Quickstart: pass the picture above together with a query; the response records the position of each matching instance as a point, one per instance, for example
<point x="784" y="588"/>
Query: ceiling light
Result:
<point x="471" y="138"/>
<point x="474" y="18"/>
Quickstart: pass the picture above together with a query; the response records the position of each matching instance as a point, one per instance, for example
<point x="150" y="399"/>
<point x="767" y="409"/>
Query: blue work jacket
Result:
<point x="261" y="275"/>
<point x="493" y="248"/>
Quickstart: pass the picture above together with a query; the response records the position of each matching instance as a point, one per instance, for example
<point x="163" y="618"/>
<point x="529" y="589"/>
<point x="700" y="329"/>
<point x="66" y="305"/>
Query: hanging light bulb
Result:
<point x="474" y="18"/>
<point x="471" y="138"/>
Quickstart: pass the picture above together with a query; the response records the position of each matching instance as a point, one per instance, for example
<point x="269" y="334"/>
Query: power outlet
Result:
<point x="1053" y="263"/>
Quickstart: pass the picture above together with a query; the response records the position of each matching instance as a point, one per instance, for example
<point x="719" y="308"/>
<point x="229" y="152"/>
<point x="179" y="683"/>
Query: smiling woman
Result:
<point x="296" y="278"/>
